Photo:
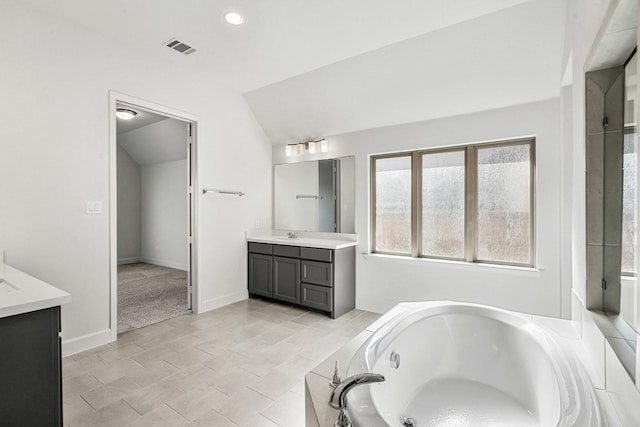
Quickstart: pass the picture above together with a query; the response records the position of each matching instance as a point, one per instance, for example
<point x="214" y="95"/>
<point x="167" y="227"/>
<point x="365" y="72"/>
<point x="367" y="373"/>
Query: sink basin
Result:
<point x="6" y="287"/>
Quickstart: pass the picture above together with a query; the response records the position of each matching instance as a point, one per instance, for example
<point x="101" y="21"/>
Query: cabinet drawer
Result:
<point x="318" y="297"/>
<point x="316" y="254"/>
<point x="318" y="273"/>
<point x="288" y="251"/>
<point x="260" y="248"/>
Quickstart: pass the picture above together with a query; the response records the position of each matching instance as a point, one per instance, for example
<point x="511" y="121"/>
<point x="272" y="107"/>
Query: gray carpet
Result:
<point x="149" y="294"/>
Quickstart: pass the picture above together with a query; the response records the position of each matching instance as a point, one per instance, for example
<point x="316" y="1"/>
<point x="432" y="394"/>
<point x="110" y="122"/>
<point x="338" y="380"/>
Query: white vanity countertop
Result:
<point x="308" y="240"/>
<point x="21" y="293"/>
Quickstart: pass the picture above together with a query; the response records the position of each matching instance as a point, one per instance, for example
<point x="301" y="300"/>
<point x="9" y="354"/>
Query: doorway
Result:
<point x="152" y="215"/>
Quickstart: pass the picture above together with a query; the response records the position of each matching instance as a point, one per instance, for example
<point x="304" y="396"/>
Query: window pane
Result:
<point x="629" y="214"/>
<point x="393" y="205"/>
<point x="443" y="204"/>
<point x="504" y="198"/>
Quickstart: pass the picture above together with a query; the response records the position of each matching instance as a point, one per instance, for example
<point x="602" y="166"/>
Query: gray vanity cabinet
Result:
<point x="319" y="273"/>
<point x="286" y="273"/>
<point x="321" y="279"/>
<point x="260" y="269"/>
<point x="286" y="279"/>
<point x="260" y="274"/>
<point x="317" y="277"/>
<point x="31" y="369"/>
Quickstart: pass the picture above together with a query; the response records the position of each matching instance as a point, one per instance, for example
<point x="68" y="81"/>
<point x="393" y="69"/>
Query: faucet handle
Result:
<point x="336" y="377"/>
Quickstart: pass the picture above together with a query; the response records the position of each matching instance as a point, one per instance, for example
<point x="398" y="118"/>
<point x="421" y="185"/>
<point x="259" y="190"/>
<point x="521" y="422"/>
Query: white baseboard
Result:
<point x="85" y="342"/>
<point x="164" y="263"/>
<point x="218" y="302"/>
<point x="130" y="260"/>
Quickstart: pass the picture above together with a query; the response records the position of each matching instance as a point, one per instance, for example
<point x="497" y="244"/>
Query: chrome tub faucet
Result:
<point x="338" y="397"/>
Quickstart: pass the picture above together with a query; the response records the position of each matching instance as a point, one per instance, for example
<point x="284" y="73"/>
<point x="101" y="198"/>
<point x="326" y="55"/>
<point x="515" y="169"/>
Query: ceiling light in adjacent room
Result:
<point x="233" y="18"/>
<point x="125" y="113"/>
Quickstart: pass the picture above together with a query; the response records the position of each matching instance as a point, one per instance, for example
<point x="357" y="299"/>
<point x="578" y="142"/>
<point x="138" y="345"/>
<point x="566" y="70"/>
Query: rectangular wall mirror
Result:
<point x="315" y="195"/>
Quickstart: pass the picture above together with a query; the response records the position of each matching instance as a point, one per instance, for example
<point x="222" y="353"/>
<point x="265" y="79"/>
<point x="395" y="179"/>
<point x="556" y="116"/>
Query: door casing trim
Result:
<point x="120" y="98"/>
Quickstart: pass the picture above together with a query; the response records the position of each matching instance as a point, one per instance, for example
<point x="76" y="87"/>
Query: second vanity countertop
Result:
<point x="307" y="239"/>
<point x="22" y="293"/>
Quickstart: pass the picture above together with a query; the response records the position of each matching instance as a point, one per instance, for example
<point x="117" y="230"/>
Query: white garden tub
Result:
<point x="465" y="365"/>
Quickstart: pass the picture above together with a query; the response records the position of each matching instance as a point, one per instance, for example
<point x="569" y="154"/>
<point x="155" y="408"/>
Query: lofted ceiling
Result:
<point x="617" y="39"/>
<point x="279" y="38"/>
<point x="151" y="138"/>
<point x="509" y="57"/>
<point x="312" y="69"/>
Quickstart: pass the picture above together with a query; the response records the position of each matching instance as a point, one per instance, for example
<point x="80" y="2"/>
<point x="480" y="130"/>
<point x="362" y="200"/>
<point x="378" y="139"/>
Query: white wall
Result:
<point x="160" y="150"/>
<point x="129" y="208"/>
<point x="583" y="22"/>
<point x="53" y="162"/>
<point x="164" y="214"/>
<point x="382" y="282"/>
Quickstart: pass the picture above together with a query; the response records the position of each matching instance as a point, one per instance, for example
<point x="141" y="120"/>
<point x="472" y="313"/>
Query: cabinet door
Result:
<point x="260" y="275"/>
<point x="30" y="369"/>
<point x="286" y="279"/>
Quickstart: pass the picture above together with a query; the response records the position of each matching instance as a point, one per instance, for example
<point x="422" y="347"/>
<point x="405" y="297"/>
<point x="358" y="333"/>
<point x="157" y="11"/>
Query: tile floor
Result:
<point x="240" y="365"/>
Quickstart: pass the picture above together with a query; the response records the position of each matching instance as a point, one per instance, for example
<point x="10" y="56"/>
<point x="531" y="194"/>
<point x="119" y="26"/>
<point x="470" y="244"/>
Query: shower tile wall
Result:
<point x="604" y="98"/>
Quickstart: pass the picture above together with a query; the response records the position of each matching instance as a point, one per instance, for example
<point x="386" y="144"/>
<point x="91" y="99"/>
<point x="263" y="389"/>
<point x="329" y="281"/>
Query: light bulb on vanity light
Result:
<point x="288" y="150"/>
<point x="311" y="146"/>
<point x="300" y="149"/>
<point x="324" y="146"/>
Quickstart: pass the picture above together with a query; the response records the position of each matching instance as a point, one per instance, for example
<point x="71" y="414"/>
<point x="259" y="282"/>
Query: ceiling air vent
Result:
<point x="180" y="47"/>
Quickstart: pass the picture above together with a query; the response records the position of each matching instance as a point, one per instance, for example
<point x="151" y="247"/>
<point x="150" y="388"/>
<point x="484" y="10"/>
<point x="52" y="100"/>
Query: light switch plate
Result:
<point x="94" y="207"/>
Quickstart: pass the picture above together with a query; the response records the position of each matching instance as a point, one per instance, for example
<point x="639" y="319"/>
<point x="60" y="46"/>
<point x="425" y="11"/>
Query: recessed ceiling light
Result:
<point x="125" y="114"/>
<point x="233" y="18"/>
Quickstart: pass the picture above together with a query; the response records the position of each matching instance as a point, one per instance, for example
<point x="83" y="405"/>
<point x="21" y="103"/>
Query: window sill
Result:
<point x="449" y="263"/>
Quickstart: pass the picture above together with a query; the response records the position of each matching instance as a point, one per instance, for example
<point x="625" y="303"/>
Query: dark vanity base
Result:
<point x="319" y="279"/>
<point x="31" y="369"/>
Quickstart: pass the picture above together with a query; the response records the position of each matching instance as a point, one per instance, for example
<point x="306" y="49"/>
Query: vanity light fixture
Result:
<point x="233" y="18"/>
<point x="315" y="146"/>
<point x="311" y="146"/>
<point x="125" y="113"/>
